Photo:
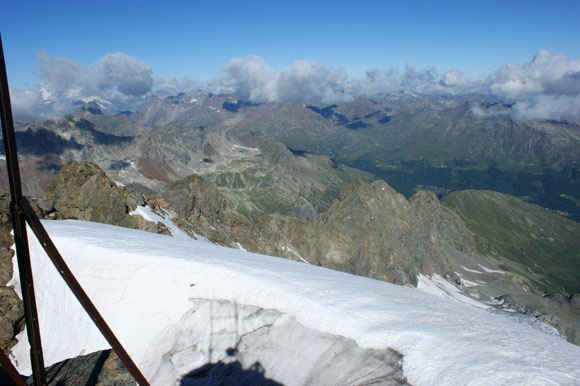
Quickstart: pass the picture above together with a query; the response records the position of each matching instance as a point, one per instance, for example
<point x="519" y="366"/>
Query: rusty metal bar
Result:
<point x="19" y="225"/>
<point x="11" y="370"/>
<point x="78" y="291"/>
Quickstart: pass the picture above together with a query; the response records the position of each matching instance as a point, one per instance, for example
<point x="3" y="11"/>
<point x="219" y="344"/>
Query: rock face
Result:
<point x="81" y="190"/>
<point x="370" y="230"/>
<point x="11" y="309"/>
<point x="201" y="208"/>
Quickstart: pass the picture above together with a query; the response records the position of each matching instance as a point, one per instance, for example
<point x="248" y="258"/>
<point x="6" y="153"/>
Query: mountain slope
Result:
<point x="514" y="231"/>
<point x="279" y="181"/>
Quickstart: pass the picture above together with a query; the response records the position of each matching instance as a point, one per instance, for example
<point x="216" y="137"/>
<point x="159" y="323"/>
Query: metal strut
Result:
<point x="19" y="225"/>
<point x="22" y="212"/>
<point x="11" y="370"/>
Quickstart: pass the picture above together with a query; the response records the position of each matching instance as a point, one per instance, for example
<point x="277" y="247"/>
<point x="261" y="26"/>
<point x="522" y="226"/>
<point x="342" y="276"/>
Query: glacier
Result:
<point x="152" y="288"/>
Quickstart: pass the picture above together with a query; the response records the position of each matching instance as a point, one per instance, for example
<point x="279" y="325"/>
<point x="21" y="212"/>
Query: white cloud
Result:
<point x="547" y="87"/>
<point x="377" y="82"/>
<point x="173" y="85"/>
<point x="120" y="74"/>
<point x="490" y="111"/>
<point x="453" y="78"/>
<point x="251" y="78"/>
<point x="547" y="106"/>
<point x="117" y="78"/>
<point x="547" y="73"/>
<point x="312" y="81"/>
<point x="28" y="105"/>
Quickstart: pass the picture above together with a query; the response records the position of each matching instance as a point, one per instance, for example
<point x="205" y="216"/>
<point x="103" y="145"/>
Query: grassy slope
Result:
<point x="281" y="182"/>
<point x="546" y="243"/>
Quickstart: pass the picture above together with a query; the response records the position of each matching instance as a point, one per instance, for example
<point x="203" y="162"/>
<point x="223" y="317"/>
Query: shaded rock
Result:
<point x="11" y="309"/>
<point x="202" y="209"/>
<point x="575" y="301"/>
<point x="102" y="368"/>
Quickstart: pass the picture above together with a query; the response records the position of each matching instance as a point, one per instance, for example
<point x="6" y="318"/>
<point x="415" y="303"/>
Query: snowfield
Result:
<point x="151" y="287"/>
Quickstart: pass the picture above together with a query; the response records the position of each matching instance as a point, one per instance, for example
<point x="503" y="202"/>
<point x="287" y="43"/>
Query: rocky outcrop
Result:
<point x="82" y="190"/>
<point x="202" y="209"/>
<point x="11" y="309"/>
<point x="101" y="368"/>
<point x="370" y="230"/>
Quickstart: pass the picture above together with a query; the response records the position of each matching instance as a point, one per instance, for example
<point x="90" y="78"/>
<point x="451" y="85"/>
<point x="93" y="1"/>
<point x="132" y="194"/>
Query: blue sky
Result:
<point x="198" y="38"/>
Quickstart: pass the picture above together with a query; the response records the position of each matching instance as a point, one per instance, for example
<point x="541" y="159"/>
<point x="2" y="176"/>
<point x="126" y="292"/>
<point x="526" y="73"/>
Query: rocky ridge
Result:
<point x="82" y="191"/>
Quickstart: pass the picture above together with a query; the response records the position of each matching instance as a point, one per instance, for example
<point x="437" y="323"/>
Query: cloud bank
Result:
<point x="547" y="87"/>
<point x="116" y="79"/>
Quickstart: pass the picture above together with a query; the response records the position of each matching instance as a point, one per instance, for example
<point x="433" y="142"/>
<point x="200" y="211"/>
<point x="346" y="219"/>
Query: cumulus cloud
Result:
<point x="28" y="105"/>
<point x="116" y="78"/>
<point x="546" y="106"/>
<point x="252" y="78"/>
<point x="547" y="87"/>
<point x="312" y="81"/>
<point x="121" y="74"/>
<point x="547" y="73"/>
<point x="378" y="82"/>
<point x="490" y="111"/>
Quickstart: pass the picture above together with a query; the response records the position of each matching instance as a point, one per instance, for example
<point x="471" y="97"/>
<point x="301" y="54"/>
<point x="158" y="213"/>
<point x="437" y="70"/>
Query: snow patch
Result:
<point x="491" y="270"/>
<point x="438" y="286"/>
<point x="245" y="148"/>
<point x="468" y="283"/>
<point x="165" y="218"/>
<point x="295" y="253"/>
<point x="471" y="270"/>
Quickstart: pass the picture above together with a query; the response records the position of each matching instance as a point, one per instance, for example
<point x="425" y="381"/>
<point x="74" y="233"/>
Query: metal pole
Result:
<point x="11" y="370"/>
<point x="19" y="225"/>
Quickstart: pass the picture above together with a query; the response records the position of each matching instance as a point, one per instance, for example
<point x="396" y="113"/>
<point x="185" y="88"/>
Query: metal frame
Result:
<point x="21" y="212"/>
<point x="11" y="370"/>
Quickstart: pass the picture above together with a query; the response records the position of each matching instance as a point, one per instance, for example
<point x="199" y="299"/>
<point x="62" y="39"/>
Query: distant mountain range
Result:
<point x="428" y="143"/>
